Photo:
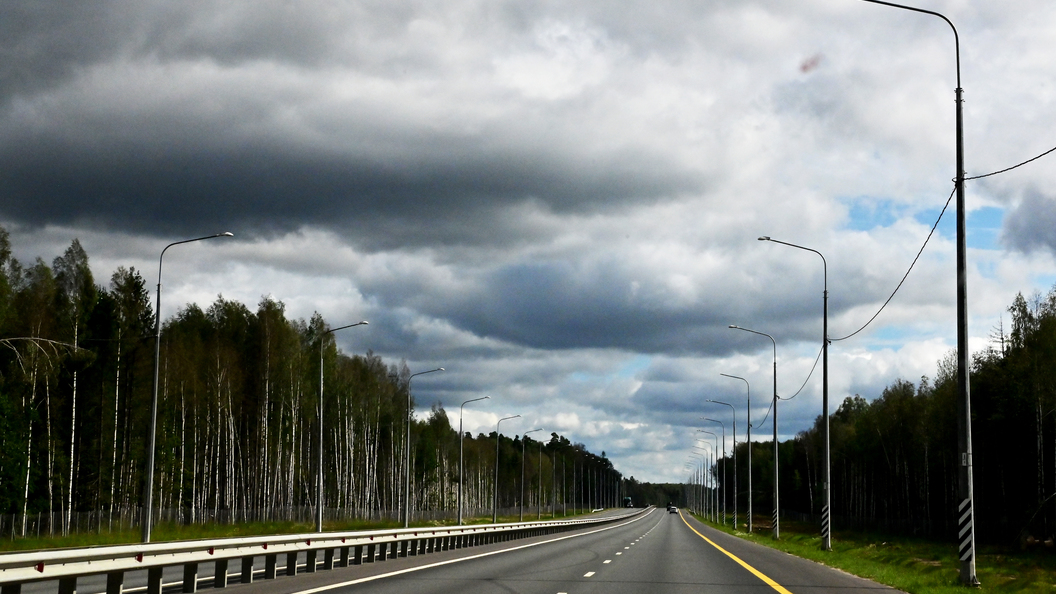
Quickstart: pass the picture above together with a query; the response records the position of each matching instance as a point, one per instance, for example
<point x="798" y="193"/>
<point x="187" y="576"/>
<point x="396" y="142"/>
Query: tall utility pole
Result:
<point x="407" y="451"/>
<point x="319" y="476"/>
<point x="776" y="531"/>
<point x="965" y="495"/>
<point x="826" y="516"/>
<point x="148" y="486"/>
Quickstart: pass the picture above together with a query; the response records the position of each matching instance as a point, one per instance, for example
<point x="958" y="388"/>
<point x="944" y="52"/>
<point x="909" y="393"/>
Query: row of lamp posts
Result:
<point x="148" y="495"/>
<point x="965" y="499"/>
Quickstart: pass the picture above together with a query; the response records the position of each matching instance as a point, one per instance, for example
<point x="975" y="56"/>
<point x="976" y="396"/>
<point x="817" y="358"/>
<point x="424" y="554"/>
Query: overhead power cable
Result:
<point x="928" y="238"/>
<point x="1012" y="167"/>
<point x="816" y="359"/>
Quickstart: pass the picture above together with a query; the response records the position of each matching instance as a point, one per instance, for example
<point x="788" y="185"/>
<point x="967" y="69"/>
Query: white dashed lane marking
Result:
<point x="588" y="574"/>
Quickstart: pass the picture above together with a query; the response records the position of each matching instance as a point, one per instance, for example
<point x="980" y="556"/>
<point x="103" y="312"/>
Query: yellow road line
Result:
<point x="754" y="571"/>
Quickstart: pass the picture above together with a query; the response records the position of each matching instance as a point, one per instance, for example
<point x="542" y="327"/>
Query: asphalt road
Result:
<point x="655" y="553"/>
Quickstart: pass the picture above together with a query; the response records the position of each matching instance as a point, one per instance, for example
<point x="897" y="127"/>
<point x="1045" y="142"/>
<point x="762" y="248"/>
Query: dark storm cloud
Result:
<point x="408" y="201"/>
<point x="134" y="116"/>
<point x="1031" y="224"/>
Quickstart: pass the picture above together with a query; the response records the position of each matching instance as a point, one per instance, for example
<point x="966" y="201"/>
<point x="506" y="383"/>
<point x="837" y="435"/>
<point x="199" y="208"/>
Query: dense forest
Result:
<point x="237" y="418"/>
<point x="894" y="456"/>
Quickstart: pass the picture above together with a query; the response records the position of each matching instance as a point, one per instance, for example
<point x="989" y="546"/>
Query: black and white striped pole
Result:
<point x="965" y="497"/>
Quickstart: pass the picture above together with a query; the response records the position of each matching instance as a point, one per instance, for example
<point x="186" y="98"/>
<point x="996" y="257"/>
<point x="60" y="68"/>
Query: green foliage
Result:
<point x="238" y="414"/>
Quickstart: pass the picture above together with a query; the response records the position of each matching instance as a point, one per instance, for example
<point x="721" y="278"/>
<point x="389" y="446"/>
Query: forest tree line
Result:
<point x="238" y="412"/>
<point x="894" y="458"/>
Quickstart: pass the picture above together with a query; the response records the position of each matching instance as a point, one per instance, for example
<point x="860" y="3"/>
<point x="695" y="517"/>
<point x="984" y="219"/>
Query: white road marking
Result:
<point x="450" y="561"/>
<point x="620" y="553"/>
<point x="608" y="561"/>
<point x="588" y="574"/>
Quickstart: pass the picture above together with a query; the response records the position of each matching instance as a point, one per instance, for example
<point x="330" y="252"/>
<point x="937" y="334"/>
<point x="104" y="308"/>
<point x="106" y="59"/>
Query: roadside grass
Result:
<point x="911" y="565"/>
<point x="169" y="532"/>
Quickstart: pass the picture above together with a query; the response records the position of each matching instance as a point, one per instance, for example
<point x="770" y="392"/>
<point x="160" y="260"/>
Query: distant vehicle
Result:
<point x="627" y="502"/>
<point x="671" y="509"/>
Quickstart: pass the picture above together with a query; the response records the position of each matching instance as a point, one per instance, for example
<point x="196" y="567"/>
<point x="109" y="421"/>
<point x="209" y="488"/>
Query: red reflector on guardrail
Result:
<point x="40" y="567"/>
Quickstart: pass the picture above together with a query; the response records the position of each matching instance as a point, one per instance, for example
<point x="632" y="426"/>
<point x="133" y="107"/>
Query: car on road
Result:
<point x="671" y="508"/>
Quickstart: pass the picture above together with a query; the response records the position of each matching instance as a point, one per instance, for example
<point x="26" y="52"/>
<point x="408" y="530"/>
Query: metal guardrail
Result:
<point x="339" y="549"/>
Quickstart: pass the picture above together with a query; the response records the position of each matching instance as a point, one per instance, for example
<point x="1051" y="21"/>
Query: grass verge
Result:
<point x="912" y="565"/>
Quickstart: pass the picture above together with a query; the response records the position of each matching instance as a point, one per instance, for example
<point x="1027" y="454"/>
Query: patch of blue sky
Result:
<point x="634" y="366"/>
<point x="894" y="337"/>
<point x="984" y="227"/>
<point x="865" y="213"/>
<point x="1045" y="282"/>
<point x="947" y="228"/>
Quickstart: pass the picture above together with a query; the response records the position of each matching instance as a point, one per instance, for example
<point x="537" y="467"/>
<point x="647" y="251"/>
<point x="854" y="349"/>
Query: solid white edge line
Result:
<point x="450" y="561"/>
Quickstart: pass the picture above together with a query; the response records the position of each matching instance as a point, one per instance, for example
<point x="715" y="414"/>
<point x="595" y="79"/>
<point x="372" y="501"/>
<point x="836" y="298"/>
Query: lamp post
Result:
<point x="733" y="411"/>
<point x="721" y="424"/>
<point x="539" y="511"/>
<point x="715" y="454"/>
<point x="748" y="417"/>
<point x="319" y="478"/>
<point x="148" y="488"/>
<point x="777" y="531"/>
<point x="523" y="436"/>
<point x="495" y="499"/>
<point x="703" y="453"/>
<point x="965" y="495"/>
<point x="826" y="516"/>
<point x="461" y="442"/>
<point x="407" y="451"/>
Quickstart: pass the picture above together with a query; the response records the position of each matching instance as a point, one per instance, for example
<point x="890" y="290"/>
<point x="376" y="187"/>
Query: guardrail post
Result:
<point x="153" y="581"/>
<point x="68" y="585"/>
<point x="247" y="570"/>
<point x="291" y="563"/>
<point x="357" y="558"/>
<point x="404" y="547"/>
<point x="190" y="580"/>
<point x="393" y="550"/>
<point x="220" y="575"/>
<point x="309" y="564"/>
<point x="11" y="588"/>
<point x="370" y="553"/>
<point x="328" y="559"/>
<point x="344" y="557"/>
<point x="420" y="545"/>
<point x="115" y="581"/>
<point x="270" y="566"/>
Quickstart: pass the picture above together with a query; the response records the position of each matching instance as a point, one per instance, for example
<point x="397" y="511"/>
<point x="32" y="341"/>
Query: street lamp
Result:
<point x="721" y="424"/>
<point x="319" y="486"/>
<point x="715" y="508"/>
<point x="703" y="453"/>
<point x="734" y="412"/>
<point x="523" y="435"/>
<point x="777" y="532"/>
<point x="748" y="417"/>
<point x="461" y="442"/>
<point x="407" y="451"/>
<point x="495" y="500"/>
<point x="965" y="495"/>
<point x="826" y="527"/>
<point x="148" y="489"/>
<point x="539" y="510"/>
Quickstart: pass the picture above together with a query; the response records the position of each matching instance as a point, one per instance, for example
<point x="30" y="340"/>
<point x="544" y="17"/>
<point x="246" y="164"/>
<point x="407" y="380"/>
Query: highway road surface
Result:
<point x="655" y="553"/>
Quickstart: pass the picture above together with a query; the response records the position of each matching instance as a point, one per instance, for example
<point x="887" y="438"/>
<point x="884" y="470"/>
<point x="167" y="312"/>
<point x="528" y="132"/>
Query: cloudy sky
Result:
<point x="559" y="202"/>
